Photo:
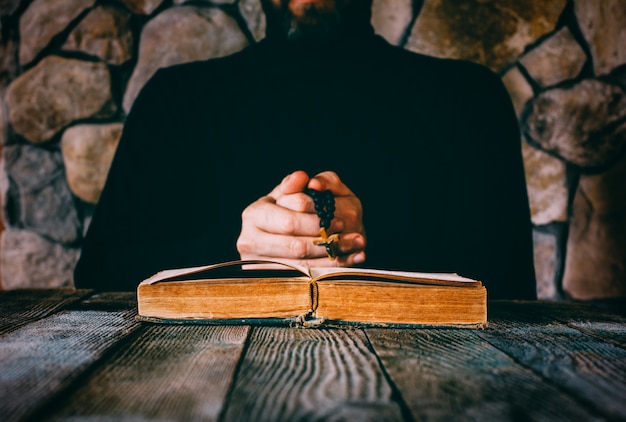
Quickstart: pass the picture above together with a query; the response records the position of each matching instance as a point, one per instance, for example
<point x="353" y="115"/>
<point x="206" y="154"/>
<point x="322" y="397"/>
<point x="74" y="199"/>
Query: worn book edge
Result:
<point x="314" y="276"/>
<point x="303" y="321"/>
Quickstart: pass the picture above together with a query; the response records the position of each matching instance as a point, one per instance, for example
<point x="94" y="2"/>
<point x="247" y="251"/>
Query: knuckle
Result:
<point x="298" y="248"/>
<point x="244" y="245"/>
<point x="288" y="224"/>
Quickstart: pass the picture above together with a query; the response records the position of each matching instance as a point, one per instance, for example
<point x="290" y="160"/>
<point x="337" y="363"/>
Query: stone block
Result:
<point x="603" y="24"/>
<point x="51" y="95"/>
<point x="487" y="32"/>
<point x="42" y="20"/>
<point x="595" y="266"/>
<point x="584" y="124"/>
<point x="88" y="151"/>
<point x="182" y="34"/>
<point x="105" y="33"/>
<point x="547" y="186"/>
<point x="28" y="260"/>
<point x="555" y="60"/>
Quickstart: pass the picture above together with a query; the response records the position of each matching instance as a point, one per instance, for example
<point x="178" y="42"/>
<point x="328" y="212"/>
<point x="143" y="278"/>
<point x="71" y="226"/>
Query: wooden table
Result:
<point x="74" y="355"/>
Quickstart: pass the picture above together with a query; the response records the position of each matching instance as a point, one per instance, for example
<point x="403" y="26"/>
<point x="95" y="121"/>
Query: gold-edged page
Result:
<point x="401" y="303"/>
<point x="217" y="299"/>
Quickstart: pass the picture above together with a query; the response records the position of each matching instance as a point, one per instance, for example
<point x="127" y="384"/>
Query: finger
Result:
<point x="300" y="202"/>
<point x="292" y="183"/>
<point x="342" y="261"/>
<point x="268" y="217"/>
<point x="274" y="246"/>
<point x="329" y="180"/>
<point x="351" y="243"/>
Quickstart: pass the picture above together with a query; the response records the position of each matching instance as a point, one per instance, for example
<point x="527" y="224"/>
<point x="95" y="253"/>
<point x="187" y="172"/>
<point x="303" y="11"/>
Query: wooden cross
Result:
<point x="327" y="242"/>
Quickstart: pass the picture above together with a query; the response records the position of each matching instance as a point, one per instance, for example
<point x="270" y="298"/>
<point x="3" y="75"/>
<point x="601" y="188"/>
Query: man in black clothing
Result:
<point x="422" y="155"/>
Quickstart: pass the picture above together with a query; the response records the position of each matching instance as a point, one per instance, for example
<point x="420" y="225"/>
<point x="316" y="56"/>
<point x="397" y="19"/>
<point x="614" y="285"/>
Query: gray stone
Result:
<point x="255" y="18"/>
<point x="488" y="32"/>
<point x="518" y="87"/>
<point x="391" y="18"/>
<point x="141" y="7"/>
<point x="105" y="33"/>
<point x="183" y="34"/>
<point x="557" y="59"/>
<point x="87" y="153"/>
<point x="57" y="91"/>
<point x="43" y="20"/>
<point x="603" y="24"/>
<point x="40" y="198"/>
<point x="28" y="260"/>
<point x="546" y="257"/>
<point x="596" y="251"/>
<point x="584" y="124"/>
<point x="547" y="186"/>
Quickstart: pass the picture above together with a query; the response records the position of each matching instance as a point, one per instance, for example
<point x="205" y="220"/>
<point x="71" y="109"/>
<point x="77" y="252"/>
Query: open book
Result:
<point x="228" y="293"/>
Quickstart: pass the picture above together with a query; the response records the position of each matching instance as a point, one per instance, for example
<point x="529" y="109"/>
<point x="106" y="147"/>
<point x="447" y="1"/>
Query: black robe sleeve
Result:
<point x="136" y="229"/>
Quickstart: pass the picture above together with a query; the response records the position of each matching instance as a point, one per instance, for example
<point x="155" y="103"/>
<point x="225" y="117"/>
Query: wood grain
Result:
<point x="302" y="375"/>
<point x="41" y="359"/>
<point x="19" y="307"/>
<point x="600" y="319"/>
<point x="455" y="375"/>
<point x="172" y="372"/>
<point x="585" y="366"/>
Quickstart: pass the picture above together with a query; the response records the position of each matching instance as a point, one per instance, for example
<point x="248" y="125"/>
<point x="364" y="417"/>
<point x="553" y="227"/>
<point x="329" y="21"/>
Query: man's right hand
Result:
<point x="281" y="226"/>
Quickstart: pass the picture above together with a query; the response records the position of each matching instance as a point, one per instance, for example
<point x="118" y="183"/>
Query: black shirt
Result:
<point x="430" y="146"/>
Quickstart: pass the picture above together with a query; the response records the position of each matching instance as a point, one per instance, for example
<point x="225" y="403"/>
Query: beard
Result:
<point x="314" y="23"/>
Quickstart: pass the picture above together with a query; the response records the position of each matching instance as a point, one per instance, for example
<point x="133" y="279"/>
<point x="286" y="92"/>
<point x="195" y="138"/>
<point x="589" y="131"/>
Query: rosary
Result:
<point x="324" y="202"/>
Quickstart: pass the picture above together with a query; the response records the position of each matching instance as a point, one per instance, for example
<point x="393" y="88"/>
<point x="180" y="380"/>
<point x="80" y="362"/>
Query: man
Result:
<point x="422" y="156"/>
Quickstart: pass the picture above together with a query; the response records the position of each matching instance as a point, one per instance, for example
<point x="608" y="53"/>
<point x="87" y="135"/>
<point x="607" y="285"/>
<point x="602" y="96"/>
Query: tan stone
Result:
<point x="88" y="151"/>
<point x="584" y="123"/>
<point x="547" y="186"/>
<point x="391" y="18"/>
<point x="104" y="33"/>
<point x="557" y="59"/>
<point x="255" y="18"/>
<point x="485" y="31"/>
<point x="595" y="266"/>
<point x="43" y="20"/>
<point x="141" y="7"/>
<point x="57" y="91"/>
<point x="603" y="24"/>
<point x="31" y="261"/>
<point x="518" y="87"/>
<point x="183" y="34"/>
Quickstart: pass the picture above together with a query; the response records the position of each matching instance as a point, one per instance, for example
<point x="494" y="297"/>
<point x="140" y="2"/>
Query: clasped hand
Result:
<point x="283" y="224"/>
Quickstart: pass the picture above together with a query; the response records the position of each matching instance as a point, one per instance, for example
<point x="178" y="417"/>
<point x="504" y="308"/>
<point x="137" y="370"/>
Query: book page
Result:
<point x="320" y="273"/>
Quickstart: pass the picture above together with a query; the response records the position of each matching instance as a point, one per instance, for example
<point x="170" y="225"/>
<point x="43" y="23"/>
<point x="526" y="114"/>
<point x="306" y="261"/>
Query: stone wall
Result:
<point x="70" y="70"/>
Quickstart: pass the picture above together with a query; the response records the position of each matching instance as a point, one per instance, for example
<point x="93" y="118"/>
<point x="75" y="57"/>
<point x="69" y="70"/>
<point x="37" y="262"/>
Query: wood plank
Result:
<point x="588" y="368"/>
<point x="39" y="360"/>
<point x="599" y="319"/>
<point x="109" y="301"/>
<point x="455" y="375"/>
<point x="174" y="372"/>
<point x="301" y="374"/>
<point x="20" y="307"/>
